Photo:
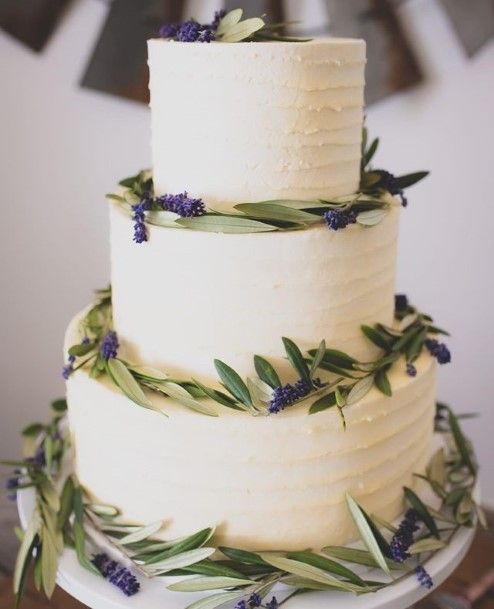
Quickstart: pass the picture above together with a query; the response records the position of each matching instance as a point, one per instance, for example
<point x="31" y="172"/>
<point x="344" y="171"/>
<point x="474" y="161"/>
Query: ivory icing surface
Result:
<point x="186" y="297"/>
<point x="255" y="121"/>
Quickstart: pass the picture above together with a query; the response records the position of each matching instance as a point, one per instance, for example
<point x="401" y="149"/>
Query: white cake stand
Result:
<point x="99" y="594"/>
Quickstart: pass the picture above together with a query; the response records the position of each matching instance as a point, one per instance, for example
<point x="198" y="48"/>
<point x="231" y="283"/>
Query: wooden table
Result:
<point x="479" y="559"/>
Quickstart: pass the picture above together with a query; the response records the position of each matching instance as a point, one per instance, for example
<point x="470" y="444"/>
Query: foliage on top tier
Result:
<point x="378" y="193"/>
<point x="227" y="27"/>
<point x="65" y="516"/>
<point x="349" y="380"/>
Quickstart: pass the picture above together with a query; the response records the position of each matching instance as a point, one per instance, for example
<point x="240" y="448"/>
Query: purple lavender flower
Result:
<point x="188" y="31"/>
<point x="69" y="367"/>
<point x="116" y="574"/>
<point x="423" y="577"/>
<point x="403" y="538"/>
<point x="169" y="30"/>
<point x="241" y="605"/>
<point x="11" y="484"/>
<point x="182" y="204"/>
<point x="255" y="600"/>
<point x="336" y="219"/>
<point x="401" y="302"/>
<point x="411" y="370"/>
<point x="389" y="182"/>
<point x="438" y="350"/>
<point x="273" y="603"/>
<point x="218" y="16"/>
<point x="109" y="345"/>
<point x="138" y="216"/>
<point x="286" y="395"/>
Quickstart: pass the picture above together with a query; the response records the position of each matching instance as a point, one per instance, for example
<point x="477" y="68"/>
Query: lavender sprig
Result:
<point x="182" y="204"/>
<point x="387" y="181"/>
<point x="116" y="574"/>
<point x="138" y="216"/>
<point x="423" y="577"/>
<point x="438" y="350"/>
<point x="403" y="538"/>
<point x="336" y="219"/>
<point x="109" y="345"/>
<point x="286" y="395"/>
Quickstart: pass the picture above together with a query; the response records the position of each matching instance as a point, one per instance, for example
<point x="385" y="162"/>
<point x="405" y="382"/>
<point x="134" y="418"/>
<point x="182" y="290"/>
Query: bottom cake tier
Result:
<point x="267" y="483"/>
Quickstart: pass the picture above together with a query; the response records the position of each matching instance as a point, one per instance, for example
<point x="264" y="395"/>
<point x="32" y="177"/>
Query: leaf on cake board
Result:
<point x="366" y="533"/>
<point x="180" y="560"/>
<point x="119" y="60"/>
<point x="32" y="22"/>
<point x="216" y="600"/>
<point x="200" y="584"/>
<point x="142" y="533"/>
<point x="306" y="571"/>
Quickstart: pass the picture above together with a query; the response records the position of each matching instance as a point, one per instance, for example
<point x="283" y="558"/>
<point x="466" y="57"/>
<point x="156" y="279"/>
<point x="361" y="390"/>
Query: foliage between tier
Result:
<point x="349" y="380"/>
<point x="368" y="207"/>
<point x="66" y="518"/>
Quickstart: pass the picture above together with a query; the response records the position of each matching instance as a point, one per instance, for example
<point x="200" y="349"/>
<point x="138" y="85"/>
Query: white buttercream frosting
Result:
<point x="184" y="297"/>
<point x="256" y="121"/>
<point x="274" y="482"/>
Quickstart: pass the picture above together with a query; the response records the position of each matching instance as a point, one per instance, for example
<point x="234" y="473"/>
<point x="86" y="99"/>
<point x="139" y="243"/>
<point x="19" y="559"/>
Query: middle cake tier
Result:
<point x="184" y="298"/>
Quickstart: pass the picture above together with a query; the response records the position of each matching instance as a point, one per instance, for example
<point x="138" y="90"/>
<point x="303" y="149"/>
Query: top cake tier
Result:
<point x="246" y="122"/>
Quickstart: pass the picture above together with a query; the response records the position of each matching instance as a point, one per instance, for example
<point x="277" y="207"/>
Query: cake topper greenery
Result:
<point x="379" y="192"/>
<point x="227" y="27"/>
<point x="64" y="516"/>
<point x="263" y="394"/>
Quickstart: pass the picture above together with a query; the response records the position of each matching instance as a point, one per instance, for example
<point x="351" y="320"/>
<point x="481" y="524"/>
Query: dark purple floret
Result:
<point x="85" y="340"/>
<point x="401" y="302"/>
<point x="109" y="345"/>
<point x="188" y="31"/>
<point x="116" y="574"/>
<point x="255" y="600"/>
<point x="389" y="182"/>
<point x="336" y="219"/>
<point x="438" y="350"/>
<point x="182" y="204"/>
<point x="273" y="603"/>
<point x="241" y="605"/>
<point x="138" y="216"/>
<point x="11" y="483"/>
<point x="403" y="538"/>
<point x="286" y="395"/>
<point x="218" y="16"/>
<point x="169" y="30"/>
<point x="69" y="367"/>
<point x="39" y="456"/>
<point x="207" y="34"/>
<point x="411" y="370"/>
<point x="423" y="577"/>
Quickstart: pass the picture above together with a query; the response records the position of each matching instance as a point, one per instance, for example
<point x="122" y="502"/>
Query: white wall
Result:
<point x="63" y="147"/>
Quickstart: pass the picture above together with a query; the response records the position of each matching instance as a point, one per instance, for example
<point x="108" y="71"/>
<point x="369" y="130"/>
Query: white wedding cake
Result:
<point x="278" y="122"/>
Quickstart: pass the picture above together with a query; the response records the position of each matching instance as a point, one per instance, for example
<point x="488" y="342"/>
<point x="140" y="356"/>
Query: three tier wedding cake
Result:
<point x="250" y="395"/>
<point x="242" y="123"/>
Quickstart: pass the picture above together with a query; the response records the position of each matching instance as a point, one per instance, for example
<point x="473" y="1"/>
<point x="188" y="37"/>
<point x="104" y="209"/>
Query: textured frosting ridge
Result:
<point x="267" y="482"/>
<point x="231" y="296"/>
<point x="250" y="122"/>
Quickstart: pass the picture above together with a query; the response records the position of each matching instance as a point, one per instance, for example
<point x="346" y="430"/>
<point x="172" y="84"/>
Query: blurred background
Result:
<point x="72" y="125"/>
